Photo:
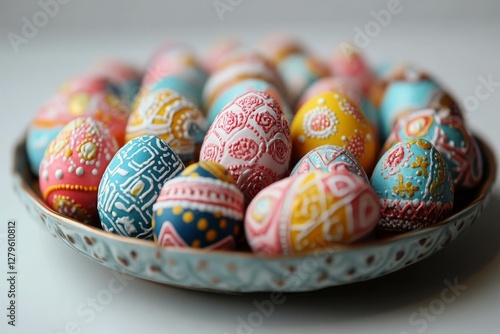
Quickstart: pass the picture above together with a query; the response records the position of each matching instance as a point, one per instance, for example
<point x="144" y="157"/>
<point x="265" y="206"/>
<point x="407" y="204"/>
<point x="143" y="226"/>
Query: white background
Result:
<point x="456" y="41"/>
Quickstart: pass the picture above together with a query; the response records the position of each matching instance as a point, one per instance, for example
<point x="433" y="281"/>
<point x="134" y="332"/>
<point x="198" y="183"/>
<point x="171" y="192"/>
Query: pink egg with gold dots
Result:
<point x="72" y="168"/>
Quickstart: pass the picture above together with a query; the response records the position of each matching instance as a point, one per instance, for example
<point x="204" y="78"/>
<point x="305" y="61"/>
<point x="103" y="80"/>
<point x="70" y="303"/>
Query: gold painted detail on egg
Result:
<point x="88" y="150"/>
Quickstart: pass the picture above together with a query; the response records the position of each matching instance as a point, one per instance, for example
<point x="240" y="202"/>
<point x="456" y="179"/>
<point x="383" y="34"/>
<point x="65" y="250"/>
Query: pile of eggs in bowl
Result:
<point x="273" y="149"/>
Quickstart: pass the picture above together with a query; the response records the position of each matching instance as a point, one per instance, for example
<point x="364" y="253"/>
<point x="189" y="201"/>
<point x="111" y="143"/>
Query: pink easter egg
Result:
<point x="311" y="211"/>
<point x="72" y="168"/>
<point x="251" y="138"/>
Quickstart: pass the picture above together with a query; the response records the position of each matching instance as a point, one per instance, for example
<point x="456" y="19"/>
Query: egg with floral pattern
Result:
<point x="414" y="185"/>
<point x="251" y="138"/>
<point x="243" y="87"/>
<point x="451" y="138"/>
<point x="200" y="208"/>
<point x="131" y="184"/>
<point x="310" y="211"/>
<point x="333" y="118"/>
<point x="72" y="168"/>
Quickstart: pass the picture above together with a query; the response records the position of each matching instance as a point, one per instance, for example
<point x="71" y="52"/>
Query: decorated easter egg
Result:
<point x="243" y="87"/>
<point x="306" y="212"/>
<point x="72" y="168"/>
<point x="332" y="118"/>
<point x="170" y="116"/>
<point x="346" y="86"/>
<point x="218" y="51"/>
<point x="415" y="186"/>
<point x="449" y="136"/>
<point x="408" y="89"/>
<point x="332" y="84"/>
<point x="125" y="78"/>
<point x="348" y="62"/>
<point x="299" y="71"/>
<point x="178" y="61"/>
<point x="251" y="138"/>
<point x="69" y="104"/>
<point x="279" y="46"/>
<point x="237" y="67"/>
<point x="329" y="158"/>
<point x="88" y="84"/>
<point x="200" y="208"/>
<point x="131" y="184"/>
<point x="179" y="85"/>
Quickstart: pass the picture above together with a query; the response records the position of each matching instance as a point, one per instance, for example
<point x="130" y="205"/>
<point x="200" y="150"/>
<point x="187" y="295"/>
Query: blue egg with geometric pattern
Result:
<point x="200" y="208"/>
<point x="414" y="185"/>
<point x="329" y="158"/>
<point x="131" y="184"/>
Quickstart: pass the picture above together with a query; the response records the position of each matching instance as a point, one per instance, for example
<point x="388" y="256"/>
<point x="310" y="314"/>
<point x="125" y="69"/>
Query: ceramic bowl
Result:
<point x="239" y="271"/>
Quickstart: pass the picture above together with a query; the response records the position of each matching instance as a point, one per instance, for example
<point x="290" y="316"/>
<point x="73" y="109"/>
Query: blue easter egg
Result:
<point x="181" y="86"/>
<point x="415" y="186"/>
<point x="200" y="208"/>
<point x="329" y="158"/>
<point x="404" y="96"/>
<point x="37" y="141"/>
<point x="451" y="138"/>
<point x="127" y="91"/>
<point x="131" y="184"/>
<point x="299" y="71"/>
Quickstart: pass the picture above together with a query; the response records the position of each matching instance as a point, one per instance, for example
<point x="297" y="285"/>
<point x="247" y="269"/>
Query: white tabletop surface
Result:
<point x="456" y="42"/>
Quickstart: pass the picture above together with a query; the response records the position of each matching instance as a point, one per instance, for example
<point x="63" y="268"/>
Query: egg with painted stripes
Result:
<point x="200" y="208"/>
<point x="131" y="184"/>
<point x="170" y="116"/>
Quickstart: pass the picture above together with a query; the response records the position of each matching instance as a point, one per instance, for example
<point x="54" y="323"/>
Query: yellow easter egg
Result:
<point x="333" y="118"/>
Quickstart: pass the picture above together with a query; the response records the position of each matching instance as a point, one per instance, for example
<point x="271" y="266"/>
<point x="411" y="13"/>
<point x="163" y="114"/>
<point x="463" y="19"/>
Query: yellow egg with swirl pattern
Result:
<point x="170" y="116"/>
<point x="333" y="118"/>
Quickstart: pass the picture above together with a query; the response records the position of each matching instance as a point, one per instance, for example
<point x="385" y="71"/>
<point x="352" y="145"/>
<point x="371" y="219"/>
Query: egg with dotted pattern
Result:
<point x="72" y="168"/>
<point x="414" y="185"/>
<point x="251" y="138"/>
<point x="131" y="184"/>
<point x="83" y="96"/>
<point x="310" y="211"/>
<point x="333" y="118"/>
<point x="200" y="208"/>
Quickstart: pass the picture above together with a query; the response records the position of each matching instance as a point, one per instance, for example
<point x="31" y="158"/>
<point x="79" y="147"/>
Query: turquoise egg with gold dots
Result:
<point x="200" y="208"/>
<point x="414" y="185"/>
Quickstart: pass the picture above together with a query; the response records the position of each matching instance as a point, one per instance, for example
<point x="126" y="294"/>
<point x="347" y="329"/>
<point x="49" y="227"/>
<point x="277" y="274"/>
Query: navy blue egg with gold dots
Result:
<point x="200" y="208"/>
